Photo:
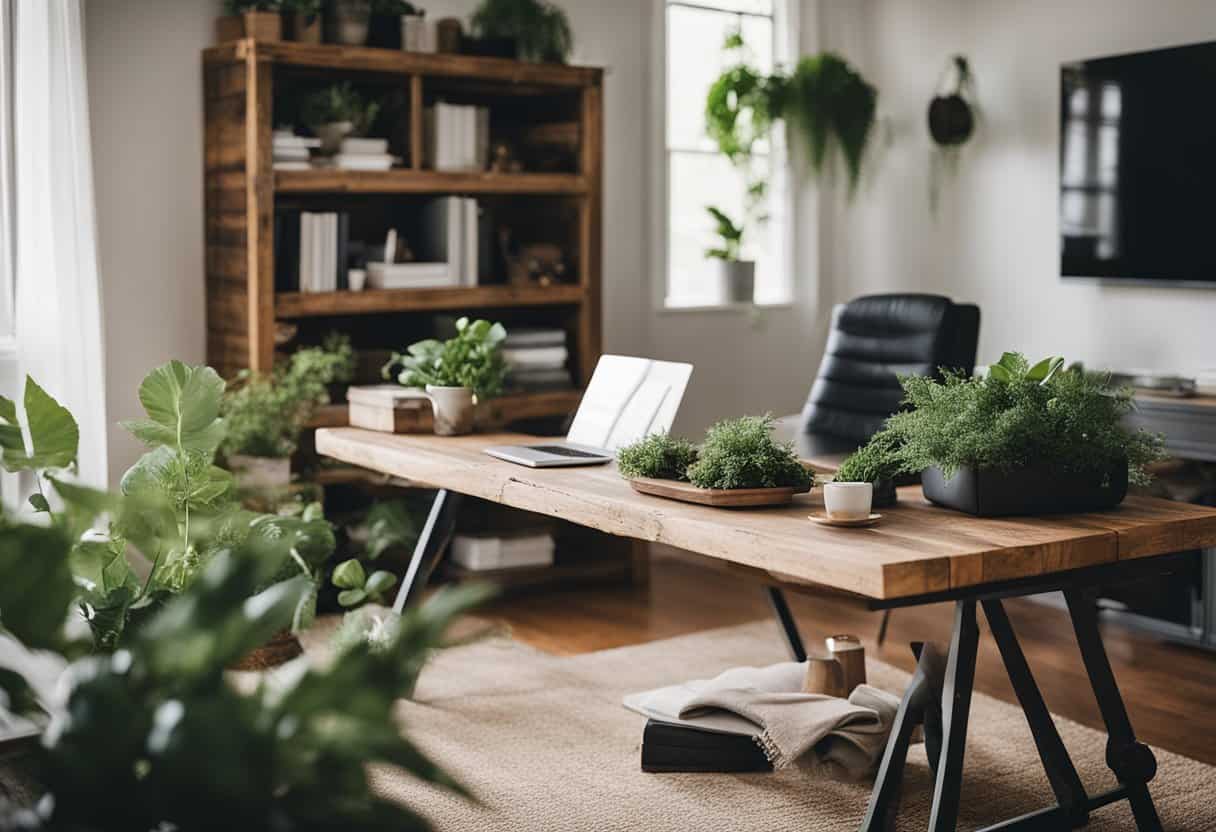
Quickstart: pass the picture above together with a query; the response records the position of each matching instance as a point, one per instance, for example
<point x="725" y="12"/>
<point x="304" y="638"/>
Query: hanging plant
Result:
<point x="824" y="99"/>
<point x="952" y="120"/>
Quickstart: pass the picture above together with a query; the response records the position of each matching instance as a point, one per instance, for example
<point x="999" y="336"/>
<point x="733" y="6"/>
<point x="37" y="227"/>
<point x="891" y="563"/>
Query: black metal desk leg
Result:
<point x="440" y="522"/>
<point x="1065" y="782"/>
<point x="789" y="627"/>
<point x="1132" y="762"/>
<point x="956" y="706"/>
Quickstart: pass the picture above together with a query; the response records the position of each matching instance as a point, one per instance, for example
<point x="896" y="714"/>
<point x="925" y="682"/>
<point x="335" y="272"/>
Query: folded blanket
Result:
<point x="768" y="703"/>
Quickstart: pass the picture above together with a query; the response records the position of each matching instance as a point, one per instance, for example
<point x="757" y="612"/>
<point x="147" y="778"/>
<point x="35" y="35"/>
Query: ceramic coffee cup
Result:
<point x="848" y="500"/>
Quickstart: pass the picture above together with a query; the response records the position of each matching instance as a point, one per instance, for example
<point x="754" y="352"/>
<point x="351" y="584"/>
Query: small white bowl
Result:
<point x="848" y="500"/>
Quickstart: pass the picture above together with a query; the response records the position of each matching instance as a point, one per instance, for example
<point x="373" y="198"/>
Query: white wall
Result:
<point x="146" y="113"/>
<point x="994" y="240"/>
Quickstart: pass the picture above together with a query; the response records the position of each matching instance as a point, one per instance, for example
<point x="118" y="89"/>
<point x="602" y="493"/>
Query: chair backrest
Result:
<point x="873" y="340"/>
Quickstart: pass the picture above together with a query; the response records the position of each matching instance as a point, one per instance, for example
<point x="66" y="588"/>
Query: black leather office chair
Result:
<point x="873" y="340"/>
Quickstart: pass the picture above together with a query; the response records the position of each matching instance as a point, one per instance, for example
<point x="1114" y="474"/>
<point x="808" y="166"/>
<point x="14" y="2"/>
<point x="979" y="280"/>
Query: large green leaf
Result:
<point x="36" y="585"/>
<point x="183" y="407"/>
<point x="391" y="523"/>
<point x="101" y="565"/>
<point x="54" y="434"/>
<point x="187" y="479"/>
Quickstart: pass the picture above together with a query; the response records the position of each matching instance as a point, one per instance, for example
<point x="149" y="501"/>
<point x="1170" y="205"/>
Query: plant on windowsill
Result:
<point x="1022" y="440"/>
<point x="455" y="373"/>
<point x="257" y="19"/>
<point x="735" y="278"/>
<point x="265" y="413"/>
<point x="338" y="111"/>
<point x="824" y="100"/>
<point x="156" y="735"/>
<point x="539" y="30"/>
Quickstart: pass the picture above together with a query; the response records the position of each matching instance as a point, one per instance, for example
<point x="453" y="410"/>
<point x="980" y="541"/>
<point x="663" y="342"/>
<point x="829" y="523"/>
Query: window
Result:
<point x="696" y="174"/>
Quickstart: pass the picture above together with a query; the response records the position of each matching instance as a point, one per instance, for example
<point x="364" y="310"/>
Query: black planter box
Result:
<point x="1033" y="489"/>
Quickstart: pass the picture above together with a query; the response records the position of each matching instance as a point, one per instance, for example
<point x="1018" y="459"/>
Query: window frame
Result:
<point x="782" y="205"/>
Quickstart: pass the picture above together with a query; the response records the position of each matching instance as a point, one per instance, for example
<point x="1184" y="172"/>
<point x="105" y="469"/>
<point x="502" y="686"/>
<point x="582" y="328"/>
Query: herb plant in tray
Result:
<point x="739" y="464"/>
<point x="454" y="373"/>
<point x="1022" y="440"/>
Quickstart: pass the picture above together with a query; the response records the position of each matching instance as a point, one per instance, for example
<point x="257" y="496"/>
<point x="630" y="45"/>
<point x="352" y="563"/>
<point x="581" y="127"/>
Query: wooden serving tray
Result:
<point x="719" y="497"/>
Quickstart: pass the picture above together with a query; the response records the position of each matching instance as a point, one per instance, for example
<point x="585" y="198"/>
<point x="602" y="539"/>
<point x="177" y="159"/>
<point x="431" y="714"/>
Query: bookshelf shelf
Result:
<point x="289" y="305"/>
<point x="406" y="181"/>
<point x="491" y="414"/>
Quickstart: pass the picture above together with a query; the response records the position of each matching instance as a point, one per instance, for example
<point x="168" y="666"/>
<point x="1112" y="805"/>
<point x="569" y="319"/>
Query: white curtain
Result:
<point x="58" y="304"/>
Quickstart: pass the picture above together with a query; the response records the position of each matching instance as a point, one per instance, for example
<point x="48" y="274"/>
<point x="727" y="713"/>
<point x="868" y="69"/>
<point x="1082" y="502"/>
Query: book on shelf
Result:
<point x="320" y="251"/>
<point x="536" y="359"/>
<point x="457" y="137"/>
<point x="535" y="337"/>
<point x="480" y="552"/>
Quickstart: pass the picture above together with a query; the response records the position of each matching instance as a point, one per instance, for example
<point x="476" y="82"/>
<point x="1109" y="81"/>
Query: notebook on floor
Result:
<point x="628" y="399"/>
<point x="669" y="747"/>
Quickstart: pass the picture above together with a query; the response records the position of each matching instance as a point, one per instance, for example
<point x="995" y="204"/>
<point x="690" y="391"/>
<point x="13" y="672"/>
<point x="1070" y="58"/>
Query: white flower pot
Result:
<point x="332" y="134"/>
<point x="736" y="280"/>
<point x="260" y="471"/>
<point x="453" y="407"/>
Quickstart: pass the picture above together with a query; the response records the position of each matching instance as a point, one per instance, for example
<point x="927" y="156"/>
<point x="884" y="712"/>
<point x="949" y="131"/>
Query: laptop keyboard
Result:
<point x="562" y="450"/>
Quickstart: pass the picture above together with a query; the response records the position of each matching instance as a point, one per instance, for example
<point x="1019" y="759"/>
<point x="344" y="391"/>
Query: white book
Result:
<point x="481" y="553"/>
<point x="281" y="140"/>
<point x="363" y="162"/>
<point x="290" y="165"/>
<point x="470" y="265"/>
<point x="318" y="251"/>
<point x="306" y="232"/>
<point x="331" y="259"/>
<point x="443" y="136"/>
<point x="291" y="154"/>
<point x="535" y="357"/>
<point x="455" y="216"/>
<point x="362" y="145"/>
<point x="409" y="275"/>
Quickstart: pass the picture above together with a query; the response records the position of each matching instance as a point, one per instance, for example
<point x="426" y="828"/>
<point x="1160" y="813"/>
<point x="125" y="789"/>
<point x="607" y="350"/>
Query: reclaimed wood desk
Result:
<point x="918" y="554"/>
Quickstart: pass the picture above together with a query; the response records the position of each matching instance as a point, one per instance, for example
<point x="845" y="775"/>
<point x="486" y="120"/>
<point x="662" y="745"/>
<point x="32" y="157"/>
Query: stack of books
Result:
<point x="458" y="136"/>
<point x="363" y="154"/>
<point x="536" y="359"/>
<point x="291" y="152"/>
<point x="323" y="244"/>
<point x="448" y="250"/>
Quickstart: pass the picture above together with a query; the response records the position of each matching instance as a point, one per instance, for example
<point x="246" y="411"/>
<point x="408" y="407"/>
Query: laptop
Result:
<point x="628" y="399"/>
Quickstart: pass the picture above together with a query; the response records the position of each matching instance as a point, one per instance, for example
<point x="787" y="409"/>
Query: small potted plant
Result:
<point x="454" y="373"/>
<point x="350" y="22"/>
<point x="1021" y="440"/>
<point x="735" y="279"/>
<point x="539" y="31"/>
<point x="265" y="413"/>
<point x="876" y="462"/>
<point x="302" y="20"/>
<point x="338" y="111"/>
<point x="257" y="19"/>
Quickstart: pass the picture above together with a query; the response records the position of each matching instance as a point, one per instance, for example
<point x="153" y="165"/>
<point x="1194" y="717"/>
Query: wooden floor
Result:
<point x="1170" y="690"/>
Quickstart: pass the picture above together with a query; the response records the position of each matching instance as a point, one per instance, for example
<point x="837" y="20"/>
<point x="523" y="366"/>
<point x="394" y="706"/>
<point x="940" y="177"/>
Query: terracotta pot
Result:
<point x="260" y="471"/>
<point x="454" y="408"/>
<point x="282" y="647"/>
<point x="304" y="28"/>
<point x="263" y="26"/>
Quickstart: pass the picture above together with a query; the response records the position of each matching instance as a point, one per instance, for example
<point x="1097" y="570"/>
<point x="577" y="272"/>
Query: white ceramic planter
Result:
<point x="453" y="407"/>
<point x="736" y="280"/>
<point x="351" y="29"/>
<point x="332" y="134"/>
<point x="260" y="471"/>
<point x="848" y="500"/>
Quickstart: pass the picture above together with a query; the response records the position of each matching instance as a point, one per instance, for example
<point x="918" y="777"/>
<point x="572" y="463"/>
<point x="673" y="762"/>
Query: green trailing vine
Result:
<point x="1017" y="415"/>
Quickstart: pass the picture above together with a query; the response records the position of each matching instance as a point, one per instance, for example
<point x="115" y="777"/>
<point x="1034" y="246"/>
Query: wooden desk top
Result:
<point x="917" y="548"/>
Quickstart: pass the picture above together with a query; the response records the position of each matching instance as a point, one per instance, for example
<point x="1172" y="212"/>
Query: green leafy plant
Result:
<point x="741" y="453"/>
<point x="473" y="358"/>
<point x="1017" y="415"/>
<point x="541" y="30"/>
<point x="823" y="99"/>
<point x="875" y="461"/>
<point x="730" y="236"/>
<point x="156" y="737"/>
<point x="657" y="456"/>
<point x="265" y="414"/>
<point x="357" y="586"/>
<point x="391" y="523"/>
<point x="54" y="438"/>
<point x="338" y="103"/>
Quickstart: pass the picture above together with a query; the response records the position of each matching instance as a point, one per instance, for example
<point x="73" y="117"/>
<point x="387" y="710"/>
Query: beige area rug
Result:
<point x="545" y="744"/>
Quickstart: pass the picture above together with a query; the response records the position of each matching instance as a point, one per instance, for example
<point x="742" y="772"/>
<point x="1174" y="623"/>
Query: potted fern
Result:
<point x="257" y="19"/>
<point x="1024" y="439"/>
<point x="454" y="373"/>
<point x="735" y="278"/>
<point x="338" y="111"/>
<point x="539" y="31"/>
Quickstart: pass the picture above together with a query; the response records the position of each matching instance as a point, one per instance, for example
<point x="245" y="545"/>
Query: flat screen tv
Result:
<point x="1138" y="167"/>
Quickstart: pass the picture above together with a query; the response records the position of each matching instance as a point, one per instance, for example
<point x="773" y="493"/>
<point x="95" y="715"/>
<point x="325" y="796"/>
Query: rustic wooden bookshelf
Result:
<point x="243" y="192"/>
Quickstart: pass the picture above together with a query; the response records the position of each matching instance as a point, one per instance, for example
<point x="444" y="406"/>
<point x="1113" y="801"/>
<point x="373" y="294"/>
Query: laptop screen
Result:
<point x="628" y="398"/>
